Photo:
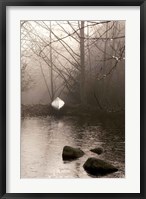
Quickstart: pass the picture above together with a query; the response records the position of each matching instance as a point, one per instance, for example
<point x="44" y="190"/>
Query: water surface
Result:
<point x="43" y="138"/>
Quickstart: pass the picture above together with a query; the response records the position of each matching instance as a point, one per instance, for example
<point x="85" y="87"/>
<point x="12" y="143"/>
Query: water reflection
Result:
<point x="42" y="141"/>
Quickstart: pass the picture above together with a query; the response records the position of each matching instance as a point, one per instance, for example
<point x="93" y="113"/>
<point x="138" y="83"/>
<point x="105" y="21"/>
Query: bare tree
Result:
<point x="79" y="65"/>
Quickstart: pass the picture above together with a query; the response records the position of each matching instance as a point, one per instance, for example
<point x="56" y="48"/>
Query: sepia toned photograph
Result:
<point x="72" y="99"/>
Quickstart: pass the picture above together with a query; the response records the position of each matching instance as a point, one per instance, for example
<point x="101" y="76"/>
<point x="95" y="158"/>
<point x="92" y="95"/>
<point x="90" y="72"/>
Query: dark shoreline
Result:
<point x="83" y="113"/>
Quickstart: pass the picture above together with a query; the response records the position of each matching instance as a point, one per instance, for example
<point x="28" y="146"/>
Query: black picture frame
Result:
<point x="3" y="124"/>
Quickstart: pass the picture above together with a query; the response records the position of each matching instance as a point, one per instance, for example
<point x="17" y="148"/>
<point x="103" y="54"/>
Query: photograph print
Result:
<point x="72" y="99"/>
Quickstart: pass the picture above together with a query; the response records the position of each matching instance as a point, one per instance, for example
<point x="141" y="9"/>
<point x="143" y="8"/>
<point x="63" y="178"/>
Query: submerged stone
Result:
<point x="70" y="153"/>
<point x="97" y="150"/>
<point x="98" y="167"/>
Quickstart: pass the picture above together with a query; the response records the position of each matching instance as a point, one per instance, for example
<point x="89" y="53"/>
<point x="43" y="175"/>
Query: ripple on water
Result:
<point x="42" y="141"/>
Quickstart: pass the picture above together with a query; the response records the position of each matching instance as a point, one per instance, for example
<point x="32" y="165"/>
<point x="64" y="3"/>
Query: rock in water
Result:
<point x="70" y="153"/>
<point x="97" y="150"/>
<point x="98" y="167"/>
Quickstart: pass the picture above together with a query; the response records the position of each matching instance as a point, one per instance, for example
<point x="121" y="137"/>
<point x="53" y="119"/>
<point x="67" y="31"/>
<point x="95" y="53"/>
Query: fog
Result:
<point x="81" y="62"/>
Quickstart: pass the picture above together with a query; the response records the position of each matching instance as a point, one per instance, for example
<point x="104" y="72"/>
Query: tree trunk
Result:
<point x="105" y="49"/>
<point x="51" y="67"/>
<point x="82" y="62"/>
<point x="88" y="47"/>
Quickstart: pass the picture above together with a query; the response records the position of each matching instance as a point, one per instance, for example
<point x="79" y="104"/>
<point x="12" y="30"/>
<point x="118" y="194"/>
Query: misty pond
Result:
<point x="82" y="62"/>
<point x="43" y="139"/>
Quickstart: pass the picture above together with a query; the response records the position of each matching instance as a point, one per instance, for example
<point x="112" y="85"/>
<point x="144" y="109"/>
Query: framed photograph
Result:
<point x="72" y="99"/>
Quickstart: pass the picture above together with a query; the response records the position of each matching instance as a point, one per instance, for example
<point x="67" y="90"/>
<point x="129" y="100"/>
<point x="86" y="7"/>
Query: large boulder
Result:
<point x="70" y="153"/>
<point x="98" y="167"/>
<point x="97" y="150"/>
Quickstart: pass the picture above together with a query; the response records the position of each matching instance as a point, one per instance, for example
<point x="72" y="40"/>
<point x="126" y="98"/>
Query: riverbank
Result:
<point x="84" y="113"/>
